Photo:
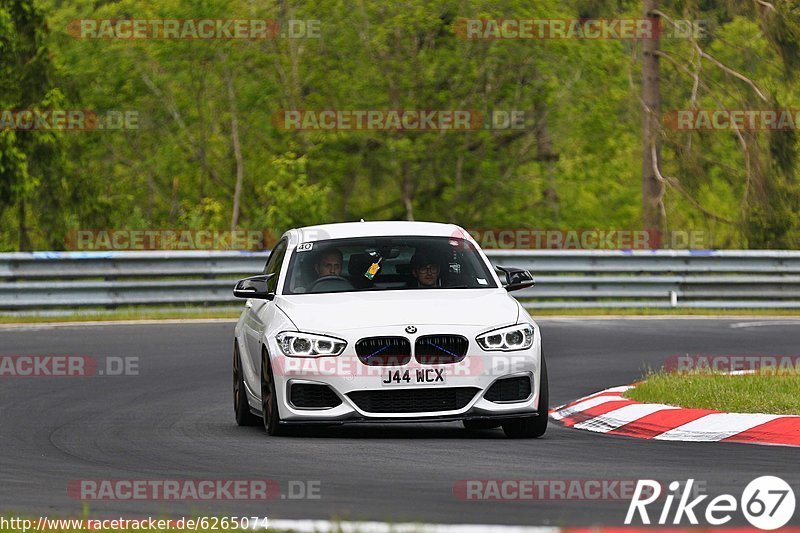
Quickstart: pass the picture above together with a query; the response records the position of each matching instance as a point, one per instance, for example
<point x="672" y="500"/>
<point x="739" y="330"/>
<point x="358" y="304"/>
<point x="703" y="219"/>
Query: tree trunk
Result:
<point x="23" y="228"/>
<point x="408" y="192"/>
<point x="652" y="188"/>
<point x="547" y="157"/>
<point x="237" y="151"/>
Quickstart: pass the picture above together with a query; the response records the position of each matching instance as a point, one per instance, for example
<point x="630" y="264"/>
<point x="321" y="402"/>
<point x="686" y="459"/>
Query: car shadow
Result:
<point x="395" y="431"/>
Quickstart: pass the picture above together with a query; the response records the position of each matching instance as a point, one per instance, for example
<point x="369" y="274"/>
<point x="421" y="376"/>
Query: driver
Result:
<point x="329" y="263"/>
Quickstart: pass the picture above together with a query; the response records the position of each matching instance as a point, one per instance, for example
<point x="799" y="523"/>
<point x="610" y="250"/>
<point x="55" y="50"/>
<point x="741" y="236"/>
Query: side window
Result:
<point x="274" y="264"/>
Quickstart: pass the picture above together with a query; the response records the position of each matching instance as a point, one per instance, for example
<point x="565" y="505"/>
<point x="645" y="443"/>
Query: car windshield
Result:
<point x="386" y="263"/>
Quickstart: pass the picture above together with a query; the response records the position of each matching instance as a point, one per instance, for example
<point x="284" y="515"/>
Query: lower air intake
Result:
<point x="310" y="396"/>
<point x="413" y="400"/>
<point x="509" y="390"/>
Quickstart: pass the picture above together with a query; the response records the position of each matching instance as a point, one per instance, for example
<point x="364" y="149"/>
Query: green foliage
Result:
<point x="208" y="214"/>
<point x="289" y="198"/>
<point x="31" y="179"/>
<point x="179" y="168"/>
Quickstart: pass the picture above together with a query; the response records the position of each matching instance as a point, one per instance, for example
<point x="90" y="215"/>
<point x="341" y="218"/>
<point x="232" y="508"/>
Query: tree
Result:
<point x="733" y="67"/>
<point x="652" y="187"/>
<point x="30" y="162"/>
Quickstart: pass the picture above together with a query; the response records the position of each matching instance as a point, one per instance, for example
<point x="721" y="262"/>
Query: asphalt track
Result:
<point x="174" y="421"/>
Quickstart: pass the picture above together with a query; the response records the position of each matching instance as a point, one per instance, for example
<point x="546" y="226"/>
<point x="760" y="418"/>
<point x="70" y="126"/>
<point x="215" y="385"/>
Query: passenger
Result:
<point x="425" y="267"/>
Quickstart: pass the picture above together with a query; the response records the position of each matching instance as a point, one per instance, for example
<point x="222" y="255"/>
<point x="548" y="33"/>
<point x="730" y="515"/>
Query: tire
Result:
<point x="241" y="407"/>
<point x="269" y="399"/>
<point x="477" y="425"/>
<point x="535" y="426"/>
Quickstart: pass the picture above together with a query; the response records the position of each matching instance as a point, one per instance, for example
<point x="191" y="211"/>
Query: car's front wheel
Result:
<point x="535" y="426"/>
<point x="269" y="399"/>
<point x="241" y="406"/>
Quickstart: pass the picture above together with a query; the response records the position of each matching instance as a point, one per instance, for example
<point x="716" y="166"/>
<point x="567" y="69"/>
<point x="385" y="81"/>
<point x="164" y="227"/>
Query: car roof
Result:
<point x="348" y="230"/>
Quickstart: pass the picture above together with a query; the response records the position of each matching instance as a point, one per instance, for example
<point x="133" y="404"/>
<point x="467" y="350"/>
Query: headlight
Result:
<point x="519" y="337"/>
<point x="295" y="344"/>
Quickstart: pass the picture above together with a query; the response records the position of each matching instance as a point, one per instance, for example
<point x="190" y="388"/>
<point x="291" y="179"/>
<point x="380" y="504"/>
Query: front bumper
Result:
<point x="346" y="374"/>
<point x="406" y="420"/>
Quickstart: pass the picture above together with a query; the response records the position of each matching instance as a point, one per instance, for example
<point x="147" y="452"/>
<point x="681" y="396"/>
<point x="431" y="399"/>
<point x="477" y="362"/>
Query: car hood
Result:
<point x="347" y="311"/>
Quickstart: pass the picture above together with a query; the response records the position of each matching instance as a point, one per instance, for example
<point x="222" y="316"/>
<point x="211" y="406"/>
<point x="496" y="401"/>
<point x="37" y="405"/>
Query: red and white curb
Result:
<point x="608" y="412"/>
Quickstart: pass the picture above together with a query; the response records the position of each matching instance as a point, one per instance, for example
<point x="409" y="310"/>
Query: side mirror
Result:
<point x="255" y="287"/>
<point x="517" y="278"/>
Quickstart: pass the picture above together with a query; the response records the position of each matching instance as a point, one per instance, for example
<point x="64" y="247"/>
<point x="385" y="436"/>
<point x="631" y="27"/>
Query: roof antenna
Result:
<point x="362" y="220"/>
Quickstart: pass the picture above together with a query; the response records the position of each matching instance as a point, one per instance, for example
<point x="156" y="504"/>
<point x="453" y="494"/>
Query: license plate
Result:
<point x="414" y="376"/>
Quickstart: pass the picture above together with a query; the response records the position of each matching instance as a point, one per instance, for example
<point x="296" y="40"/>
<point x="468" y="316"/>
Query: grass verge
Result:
<point x="661" y="311"/>
<point x="133" y="313"/>
<point x="763" y="392"/>
<point x="121" y="315"/>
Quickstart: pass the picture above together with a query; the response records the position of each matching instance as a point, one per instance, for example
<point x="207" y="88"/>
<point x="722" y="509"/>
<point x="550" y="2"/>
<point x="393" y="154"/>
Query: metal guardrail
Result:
<point x="564" y="279"/>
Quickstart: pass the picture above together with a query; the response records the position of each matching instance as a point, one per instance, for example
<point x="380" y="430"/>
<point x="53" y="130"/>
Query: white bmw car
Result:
<point x="386" y="322"/>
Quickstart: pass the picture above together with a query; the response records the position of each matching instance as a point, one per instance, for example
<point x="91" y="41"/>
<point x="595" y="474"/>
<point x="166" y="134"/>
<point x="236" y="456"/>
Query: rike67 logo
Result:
<point x="768" y="502"/>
